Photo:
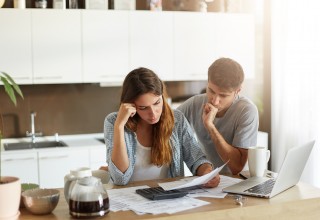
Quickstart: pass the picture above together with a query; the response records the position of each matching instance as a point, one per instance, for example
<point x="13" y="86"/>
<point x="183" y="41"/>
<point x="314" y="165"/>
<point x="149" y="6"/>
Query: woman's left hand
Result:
<point x="213" y="182"/>
<point x="207" y="168"/>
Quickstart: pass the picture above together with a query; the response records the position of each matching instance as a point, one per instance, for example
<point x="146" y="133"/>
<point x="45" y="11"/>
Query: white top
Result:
<point x="143" y="169"/>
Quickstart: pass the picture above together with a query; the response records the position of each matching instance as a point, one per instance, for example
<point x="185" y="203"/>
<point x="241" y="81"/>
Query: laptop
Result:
<point x="288" y="176"/>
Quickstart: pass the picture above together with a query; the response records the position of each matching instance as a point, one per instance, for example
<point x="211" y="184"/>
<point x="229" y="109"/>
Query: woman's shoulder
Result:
<point x="177" y="114"/>
<point x="111" y="117"/>
<point x="179" y="118"/>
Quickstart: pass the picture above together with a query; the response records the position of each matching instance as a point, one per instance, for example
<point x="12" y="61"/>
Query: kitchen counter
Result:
<point x="33" y="165"/>
<point x="299" y="202"/>
<point x="76" y="140"/>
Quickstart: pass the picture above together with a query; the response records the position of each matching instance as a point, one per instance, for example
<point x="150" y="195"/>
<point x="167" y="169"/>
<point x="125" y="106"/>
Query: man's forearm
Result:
<point x="226" y="151"/>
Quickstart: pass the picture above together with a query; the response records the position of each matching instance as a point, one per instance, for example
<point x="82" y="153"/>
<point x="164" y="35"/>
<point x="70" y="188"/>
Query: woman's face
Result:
<point x="149" y="107"/>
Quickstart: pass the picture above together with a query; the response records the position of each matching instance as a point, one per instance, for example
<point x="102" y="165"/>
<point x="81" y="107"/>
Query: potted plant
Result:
<point x="10" y="187"/>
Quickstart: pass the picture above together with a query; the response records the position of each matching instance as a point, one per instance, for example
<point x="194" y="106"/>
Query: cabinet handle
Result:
<point x="54" y="157"/>
<point x="17" y="159"/>
<point x="21" y="77"/>
<point x="48" y="77"/>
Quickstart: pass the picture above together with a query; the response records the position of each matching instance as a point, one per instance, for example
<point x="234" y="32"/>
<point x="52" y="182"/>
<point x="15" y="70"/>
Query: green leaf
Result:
<point x="9" y="90"/>
<point x="13" y="84"/>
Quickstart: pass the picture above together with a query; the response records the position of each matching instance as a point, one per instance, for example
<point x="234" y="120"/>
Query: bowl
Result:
<point x="40" y="201"/>
<point x="26" y="186"/>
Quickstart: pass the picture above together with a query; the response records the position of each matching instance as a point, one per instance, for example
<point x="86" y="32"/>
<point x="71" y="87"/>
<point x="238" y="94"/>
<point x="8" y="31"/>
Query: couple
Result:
<point x="146" y="139"/>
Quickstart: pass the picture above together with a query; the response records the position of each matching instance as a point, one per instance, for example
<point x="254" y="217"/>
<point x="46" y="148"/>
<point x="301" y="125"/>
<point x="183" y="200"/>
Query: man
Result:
<point x="225" y="122"/>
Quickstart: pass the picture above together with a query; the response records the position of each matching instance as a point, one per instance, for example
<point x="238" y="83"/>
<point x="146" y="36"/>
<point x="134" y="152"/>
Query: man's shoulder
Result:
<point x="244" y="101"/>
<point x="194" y="101"/>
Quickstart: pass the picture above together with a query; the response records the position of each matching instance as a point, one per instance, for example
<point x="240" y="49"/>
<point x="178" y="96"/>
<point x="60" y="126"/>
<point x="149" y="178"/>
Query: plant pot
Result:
<point x="10" y="191"/>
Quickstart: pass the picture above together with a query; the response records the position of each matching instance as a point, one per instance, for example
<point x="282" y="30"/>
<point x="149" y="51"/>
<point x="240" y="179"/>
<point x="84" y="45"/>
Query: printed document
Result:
<point x="190" y="182"/>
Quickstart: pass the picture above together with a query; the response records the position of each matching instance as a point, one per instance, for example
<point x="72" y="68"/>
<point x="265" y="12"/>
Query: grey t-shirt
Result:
<point x="238" y="126"/>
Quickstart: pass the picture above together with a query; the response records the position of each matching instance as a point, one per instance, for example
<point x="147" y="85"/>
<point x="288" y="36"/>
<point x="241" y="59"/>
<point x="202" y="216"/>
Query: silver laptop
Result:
<point x="289" y="175"/>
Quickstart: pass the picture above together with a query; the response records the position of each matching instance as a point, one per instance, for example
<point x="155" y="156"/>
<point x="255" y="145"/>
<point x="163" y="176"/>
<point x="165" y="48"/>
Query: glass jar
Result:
<point x="41" y="3"/>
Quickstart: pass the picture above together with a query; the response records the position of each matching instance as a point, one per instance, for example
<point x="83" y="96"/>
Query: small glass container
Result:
<point x="41" y="3"/>
<point x="73" y="4"/>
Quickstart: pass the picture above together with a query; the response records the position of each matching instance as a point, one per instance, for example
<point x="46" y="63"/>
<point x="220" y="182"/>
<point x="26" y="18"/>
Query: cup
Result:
<point x="258" y="158"/>
<point x="103" y="175"/>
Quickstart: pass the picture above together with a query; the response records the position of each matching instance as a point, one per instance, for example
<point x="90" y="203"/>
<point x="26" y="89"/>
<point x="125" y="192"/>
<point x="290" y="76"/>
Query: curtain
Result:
<point x="295" y="82"/>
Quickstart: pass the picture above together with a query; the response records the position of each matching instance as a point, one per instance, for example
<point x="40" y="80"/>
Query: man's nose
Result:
<point x="215" y="100"/>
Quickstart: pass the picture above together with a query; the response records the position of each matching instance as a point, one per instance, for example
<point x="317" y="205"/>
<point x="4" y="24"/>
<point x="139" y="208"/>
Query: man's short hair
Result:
<point x="226" y="73"/>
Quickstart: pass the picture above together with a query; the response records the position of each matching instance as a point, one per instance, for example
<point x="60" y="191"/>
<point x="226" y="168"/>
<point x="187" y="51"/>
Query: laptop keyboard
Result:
<point x="264" y="188"/>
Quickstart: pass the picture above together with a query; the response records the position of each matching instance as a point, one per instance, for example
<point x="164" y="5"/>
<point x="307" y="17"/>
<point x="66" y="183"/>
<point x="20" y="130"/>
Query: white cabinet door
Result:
<point x="201" y="38"/>
<point x="105" y="45"/>
<point x="151" y="42"/>
<point x="98" y="157"/>
<point x="21" y="164"/>
<point x="55" y="164"/>
<point x="15" y="44"/>
<point x="194" y="44"/>
<point x="56" y="46"/>
<point x="235" y="39"/>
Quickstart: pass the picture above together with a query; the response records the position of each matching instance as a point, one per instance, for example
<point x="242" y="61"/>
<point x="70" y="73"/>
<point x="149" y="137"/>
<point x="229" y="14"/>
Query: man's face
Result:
<point x="220" y="98"/>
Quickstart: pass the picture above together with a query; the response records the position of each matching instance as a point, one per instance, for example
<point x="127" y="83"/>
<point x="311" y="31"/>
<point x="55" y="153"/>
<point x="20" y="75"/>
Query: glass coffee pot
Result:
<point x="88" y="198"/>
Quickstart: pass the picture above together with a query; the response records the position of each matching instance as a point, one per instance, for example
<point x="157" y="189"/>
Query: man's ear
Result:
<point x="238" y="90"/>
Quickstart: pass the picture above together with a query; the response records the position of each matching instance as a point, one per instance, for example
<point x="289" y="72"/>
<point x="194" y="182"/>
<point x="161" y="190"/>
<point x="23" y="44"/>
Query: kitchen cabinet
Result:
<point x="21" y="164"/>
<point x="201" y="38"/>
<point x="48" y="166"/>
<point x="105" y="45"/>
<point x="98" y="157"/>
<point x="235" y="38"/>
<point x="56" y="46"/>
<point x="55" y="164"/>
<point x="194" y="44"/>
<point x="15" y="44"/>
<point x="91" y="46"/>
<point x="151" y="42"/>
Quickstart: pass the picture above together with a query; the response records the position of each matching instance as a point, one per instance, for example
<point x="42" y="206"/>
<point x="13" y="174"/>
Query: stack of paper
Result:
<point x="127" y="199"/>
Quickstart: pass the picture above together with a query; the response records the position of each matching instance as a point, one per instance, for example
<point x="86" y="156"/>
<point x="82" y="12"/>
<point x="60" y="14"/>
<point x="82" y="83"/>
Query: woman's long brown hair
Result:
<point x="141" y="81"/>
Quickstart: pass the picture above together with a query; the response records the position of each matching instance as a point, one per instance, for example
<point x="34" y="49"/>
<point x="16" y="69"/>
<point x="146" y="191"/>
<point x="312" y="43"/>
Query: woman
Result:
<point x="146" y="139"/>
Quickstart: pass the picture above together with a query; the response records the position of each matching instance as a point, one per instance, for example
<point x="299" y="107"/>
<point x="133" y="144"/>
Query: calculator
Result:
<point x="158" y="193"/>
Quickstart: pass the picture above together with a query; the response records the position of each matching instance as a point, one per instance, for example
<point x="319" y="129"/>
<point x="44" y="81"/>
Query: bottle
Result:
<point x="73" y="4"/>
<point x="41" y="3"/>
<point x="21" y="4"/>
<point x="59" y="4"/>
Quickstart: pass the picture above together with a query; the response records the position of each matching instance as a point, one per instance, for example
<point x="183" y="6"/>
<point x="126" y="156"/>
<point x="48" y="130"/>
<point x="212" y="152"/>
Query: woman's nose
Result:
<point x="152" y="111"/>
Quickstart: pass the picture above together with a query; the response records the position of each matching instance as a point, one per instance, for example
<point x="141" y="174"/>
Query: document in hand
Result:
<point x="193" y="182"/>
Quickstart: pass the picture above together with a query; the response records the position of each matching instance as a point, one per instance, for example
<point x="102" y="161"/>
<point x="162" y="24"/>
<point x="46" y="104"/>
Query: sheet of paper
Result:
<point x="191" y="181"/>
<point x="168" y="206"/>
<point x="216" y="192"/>
<point x="121" y="199"/>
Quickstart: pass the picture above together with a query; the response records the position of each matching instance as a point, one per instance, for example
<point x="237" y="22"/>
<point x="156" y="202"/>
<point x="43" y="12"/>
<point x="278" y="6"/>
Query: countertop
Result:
<point x="299" y="202"/>
<point x="76" y="140"/>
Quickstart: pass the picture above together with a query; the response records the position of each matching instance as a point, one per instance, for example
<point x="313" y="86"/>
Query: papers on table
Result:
<point x="199" y="191"/>
<point x="127" y="199"/>
<point x="216" y="192"/>
<point x="185" y="183"/>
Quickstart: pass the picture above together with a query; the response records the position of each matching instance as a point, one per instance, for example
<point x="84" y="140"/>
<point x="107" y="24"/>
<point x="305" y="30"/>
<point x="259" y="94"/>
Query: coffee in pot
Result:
<point x="88" y="198"/>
